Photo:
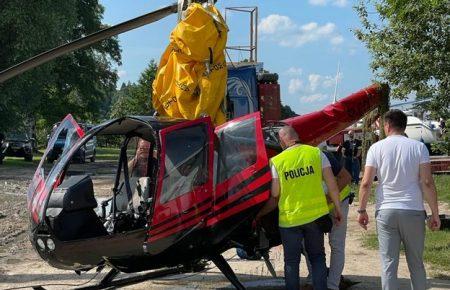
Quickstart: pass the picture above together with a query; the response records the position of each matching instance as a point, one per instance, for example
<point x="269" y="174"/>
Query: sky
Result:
<point x="301" y="40"/>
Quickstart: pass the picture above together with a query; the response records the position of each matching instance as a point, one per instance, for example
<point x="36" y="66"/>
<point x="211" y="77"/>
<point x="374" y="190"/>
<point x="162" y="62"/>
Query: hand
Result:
<point x="363" y="220"/>
<point x="337" y="216"/>
<point x="434" y="222"/>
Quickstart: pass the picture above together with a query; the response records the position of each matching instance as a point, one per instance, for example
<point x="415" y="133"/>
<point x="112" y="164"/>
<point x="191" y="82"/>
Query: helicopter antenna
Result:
<point x="336" y="84"/>
<point x="88" y="40"/>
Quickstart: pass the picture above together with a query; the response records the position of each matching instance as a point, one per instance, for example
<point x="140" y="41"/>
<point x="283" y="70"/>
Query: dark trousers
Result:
<point x="353" y="167"/>
<point x="292" y="239"/>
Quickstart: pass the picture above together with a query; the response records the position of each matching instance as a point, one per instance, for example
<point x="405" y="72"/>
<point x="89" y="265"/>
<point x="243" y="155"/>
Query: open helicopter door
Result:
<point x="46" y="178"/>
<point x="243" y="177"/>
<point x="185" y="182"/>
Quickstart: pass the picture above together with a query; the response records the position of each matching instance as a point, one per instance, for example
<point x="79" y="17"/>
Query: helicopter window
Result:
<point x="139" y="162"/>
<point x="237" y="148"/>
<point x="186" y="161"/>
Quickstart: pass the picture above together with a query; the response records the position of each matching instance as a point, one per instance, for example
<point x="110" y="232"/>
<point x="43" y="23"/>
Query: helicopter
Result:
<point x="202" y="187"/>
<point x="197" y="197"/>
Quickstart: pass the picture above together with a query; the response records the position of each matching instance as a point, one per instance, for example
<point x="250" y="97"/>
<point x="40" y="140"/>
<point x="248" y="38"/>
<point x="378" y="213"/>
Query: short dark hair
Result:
<point x="396" y="119"/>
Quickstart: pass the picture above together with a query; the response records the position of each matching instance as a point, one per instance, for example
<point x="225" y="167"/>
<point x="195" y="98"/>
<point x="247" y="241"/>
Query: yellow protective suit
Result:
<point x="192" y="74"/>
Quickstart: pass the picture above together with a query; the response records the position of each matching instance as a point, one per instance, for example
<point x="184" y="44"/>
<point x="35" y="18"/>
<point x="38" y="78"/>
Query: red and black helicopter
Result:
<point x="197" y="197"/>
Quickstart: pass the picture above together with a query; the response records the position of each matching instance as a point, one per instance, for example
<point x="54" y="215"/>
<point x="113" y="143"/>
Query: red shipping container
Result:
<point x="269" y="102"/>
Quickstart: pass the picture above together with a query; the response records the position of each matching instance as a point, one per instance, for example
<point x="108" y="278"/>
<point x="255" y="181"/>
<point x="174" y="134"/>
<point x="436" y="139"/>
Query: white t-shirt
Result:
<point x="397" y="160"/>
<point x="325" y="162"/>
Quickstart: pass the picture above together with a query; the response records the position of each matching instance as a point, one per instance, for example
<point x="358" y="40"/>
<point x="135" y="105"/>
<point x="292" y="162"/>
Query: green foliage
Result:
<point x="443" y="145"/>
<point x="107" y="153"/>
<point x="136" y="99"/>
<point x="77" y="83"/>
<point x="443" y="187"/>
<point x="287" y="112"/>
<point x="408" y="44"/>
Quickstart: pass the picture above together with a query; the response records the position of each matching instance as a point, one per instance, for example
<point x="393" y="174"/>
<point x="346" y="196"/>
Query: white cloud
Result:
<point x="294" y="71"/>
<point x="121" y="73"/>
<point x="295" y="85"/>
<point x="318" y="2"/>
<point x="328" y="81"/>
<point x="318" y="81"/>
<point x="275" y="23"/>
<point x="314" y="81"/>
<point x="285" y="32"/>
<point x="313" y="98"/>
<point x="338" y="39"/>
<point x="338" y="3"/>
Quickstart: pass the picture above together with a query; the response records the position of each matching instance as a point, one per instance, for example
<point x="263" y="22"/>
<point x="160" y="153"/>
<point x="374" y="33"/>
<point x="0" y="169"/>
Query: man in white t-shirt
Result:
<point x="403" y="169"/>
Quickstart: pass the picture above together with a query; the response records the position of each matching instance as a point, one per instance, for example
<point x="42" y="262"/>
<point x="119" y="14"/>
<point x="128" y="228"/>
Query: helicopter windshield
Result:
<point x="45" y="176"/>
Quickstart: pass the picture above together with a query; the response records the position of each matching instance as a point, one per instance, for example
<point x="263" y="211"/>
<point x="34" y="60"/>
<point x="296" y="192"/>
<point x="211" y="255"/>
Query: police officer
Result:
<point x="297" y="175"/>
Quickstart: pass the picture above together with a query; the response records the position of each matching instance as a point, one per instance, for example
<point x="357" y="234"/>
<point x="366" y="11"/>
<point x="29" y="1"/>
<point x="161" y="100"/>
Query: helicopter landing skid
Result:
<point x="225" y="268"/>
<point x="108" y="281"/>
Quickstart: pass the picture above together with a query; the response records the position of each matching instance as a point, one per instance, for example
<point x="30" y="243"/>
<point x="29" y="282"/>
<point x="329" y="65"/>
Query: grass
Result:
<point x="443" y="187"/>
<point x="20" y="161"/>
<point x="436" y="253"/>
<point x="437" y="244"/>
<point x="104" y="153"/>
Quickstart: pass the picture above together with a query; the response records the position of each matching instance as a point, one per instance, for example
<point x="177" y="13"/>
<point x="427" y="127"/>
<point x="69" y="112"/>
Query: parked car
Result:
<point x="86" y="152"/>
<point x="16" y="144"/>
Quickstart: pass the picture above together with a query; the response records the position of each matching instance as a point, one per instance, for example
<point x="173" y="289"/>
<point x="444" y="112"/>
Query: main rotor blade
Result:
<point x="87" y="40"/>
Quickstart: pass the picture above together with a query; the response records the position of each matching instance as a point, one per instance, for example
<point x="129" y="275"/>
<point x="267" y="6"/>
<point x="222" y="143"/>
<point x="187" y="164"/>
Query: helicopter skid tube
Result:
<point x="104" y="284"/>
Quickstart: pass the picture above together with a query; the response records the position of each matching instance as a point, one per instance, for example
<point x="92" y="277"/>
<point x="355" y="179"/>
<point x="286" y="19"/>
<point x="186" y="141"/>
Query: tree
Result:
<point x="76" y="83"/>
<point x="136" y="99"/>
<point x="443" y="145"/>
<point x="409" y="43"/>
<point x="286" y="112"/>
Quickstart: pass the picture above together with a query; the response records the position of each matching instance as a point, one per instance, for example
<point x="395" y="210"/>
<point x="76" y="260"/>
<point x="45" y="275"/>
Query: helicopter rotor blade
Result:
<point x="87" y="40"/>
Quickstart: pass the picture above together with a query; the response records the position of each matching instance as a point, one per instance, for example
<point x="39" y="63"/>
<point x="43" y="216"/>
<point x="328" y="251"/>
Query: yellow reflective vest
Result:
<point x="302" y="198"/>
<point x="342" y="195"/>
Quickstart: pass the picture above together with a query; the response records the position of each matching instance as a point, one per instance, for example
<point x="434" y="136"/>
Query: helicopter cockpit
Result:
<point x="115" y="197"/>
<point x="157" y="183"/>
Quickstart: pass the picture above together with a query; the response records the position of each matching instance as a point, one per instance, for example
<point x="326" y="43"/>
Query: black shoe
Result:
<point x="346" y="283"/>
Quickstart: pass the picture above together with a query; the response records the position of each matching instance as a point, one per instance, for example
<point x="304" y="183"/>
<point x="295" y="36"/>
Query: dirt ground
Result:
<point x="20" y="266"/>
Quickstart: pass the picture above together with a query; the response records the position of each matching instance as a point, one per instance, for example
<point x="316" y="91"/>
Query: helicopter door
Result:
<point x="67" y="132"/>
<point x="243" y="175"/>
<point x="185" y="180"/>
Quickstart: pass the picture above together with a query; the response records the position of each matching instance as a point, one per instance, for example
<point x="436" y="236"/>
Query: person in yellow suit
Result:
<point x="192" y="74"/>
<point x="297" y="190"/>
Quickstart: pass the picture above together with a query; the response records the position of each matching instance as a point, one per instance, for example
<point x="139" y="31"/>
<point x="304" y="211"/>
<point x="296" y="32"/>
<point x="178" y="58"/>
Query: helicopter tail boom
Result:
<point x="318" y="126"/>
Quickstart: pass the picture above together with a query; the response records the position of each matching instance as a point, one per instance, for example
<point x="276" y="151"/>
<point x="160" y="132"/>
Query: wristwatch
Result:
<point x="361" y="210"/>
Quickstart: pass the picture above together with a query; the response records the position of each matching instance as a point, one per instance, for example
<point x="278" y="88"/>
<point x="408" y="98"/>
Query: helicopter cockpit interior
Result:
<point x="117" y="193"/>
<point x="110" y="196"/>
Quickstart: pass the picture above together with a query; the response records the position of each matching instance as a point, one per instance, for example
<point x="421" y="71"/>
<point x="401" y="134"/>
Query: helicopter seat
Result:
<point x="140" y="188"/>
<point x="141" y="193"/>
<point x="70" y="210"/>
